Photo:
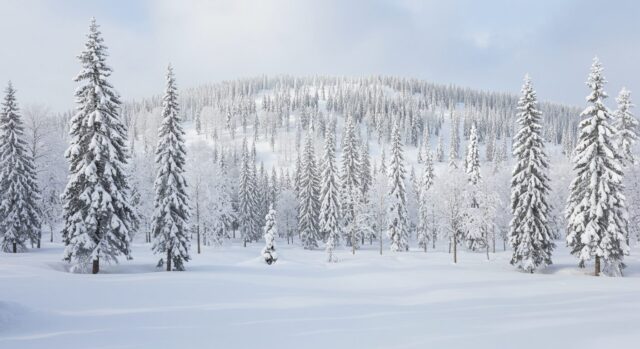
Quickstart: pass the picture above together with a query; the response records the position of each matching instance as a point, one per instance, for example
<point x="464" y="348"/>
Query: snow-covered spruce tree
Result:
<point x="170" y="226"/>
<point x="98" y="217"/>
<point x="596" y="212"/>
<point x="309" y="204"/>
<point x="425" y="145"/>
<point x="383" y="162"/>
<point x="440" y="150"/>
<point x="350" y="175"/>
<point x="490" y="147"/>
<point x="270" y="231"/>
<point x="500" y="155"/>
<point x="475" y="236"/>
<point x="529" y="233"/>
<point x="365" y="169"/>
<point x="473" y="157"/>
<point x="397" y="219"/>
<point x="426" y="181"/>
<point x="20" y="215"/>
<point x="454" y="141"/>
<point x="626" y="127"/>
<point x="247" y="204"/>
<point x="329" y="198"/>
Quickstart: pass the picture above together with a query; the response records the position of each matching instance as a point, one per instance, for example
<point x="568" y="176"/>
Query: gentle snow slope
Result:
<point x="228" y="298"/>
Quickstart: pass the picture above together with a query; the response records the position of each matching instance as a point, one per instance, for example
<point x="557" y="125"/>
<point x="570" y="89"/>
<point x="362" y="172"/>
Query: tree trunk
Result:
<point x="487" y="251"/>
<point x="380" y="243"/>
<point x="455" y="250"/>
<point x="353" y="245"/>
<point x="169" y="260"/>
<point x="198" y="219"/>
<point x="39" y="239"/>
<point x="51" y="231"/>
<point x="597" y="273"/>
<point x="198" y="236"/>
<point x="15" y="247"/>
<point x="96" y="266"/>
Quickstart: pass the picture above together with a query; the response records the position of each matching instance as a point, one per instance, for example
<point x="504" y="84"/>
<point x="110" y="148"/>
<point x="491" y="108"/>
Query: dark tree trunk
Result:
<point x="15" y="247"/>
<point x="169" y="260"/>
<point x="597" y="273"/>
<point x="455" y="250"/>
<point x="198" y="236"/>
<point x="96" y="266"/>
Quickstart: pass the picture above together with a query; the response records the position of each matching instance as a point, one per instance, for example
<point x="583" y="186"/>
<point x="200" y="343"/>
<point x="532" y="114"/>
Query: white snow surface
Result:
<point x="229" y="298"/>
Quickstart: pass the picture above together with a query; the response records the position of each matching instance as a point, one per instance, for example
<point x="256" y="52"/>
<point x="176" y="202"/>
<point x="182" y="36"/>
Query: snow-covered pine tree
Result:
<point x="97" y="214"/>
<point x="309" y="207"/>
<point x="626" y="127"/>
<point x="383" y="162"/>
<point x="426" y="182"/>
<point x="397" y="218"/>
<point x="500" y="155"/>
<point x="490" y="147"/>
<point x="270" y="231"/>
<point x="529" y="233"/>
<point x="426" y="144"/>
<point x="350" y="175"/>
<point x="170" y="223"/>
<point x="475" y="236"/>
<point x="440" y="150"/>
<point x="365" y="169"/>
<point x="454" y="141"/>
<point x="596" y="212"/>
<point x="473" y="157"/>
<point x="20" y="215"/>
<point x="247" y="201"/>
<point x="329" y="197"/>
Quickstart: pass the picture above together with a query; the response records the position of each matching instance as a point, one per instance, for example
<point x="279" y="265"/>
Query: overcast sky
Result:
<point x="482" y="44"/>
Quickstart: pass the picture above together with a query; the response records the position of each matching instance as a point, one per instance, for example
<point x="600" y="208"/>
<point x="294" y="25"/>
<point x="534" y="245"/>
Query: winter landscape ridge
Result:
<point x="318" y="211"/>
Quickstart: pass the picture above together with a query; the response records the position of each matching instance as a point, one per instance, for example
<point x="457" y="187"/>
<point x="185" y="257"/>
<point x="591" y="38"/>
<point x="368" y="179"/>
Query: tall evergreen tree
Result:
<point x="426" y="182"/>
<point x="473" y="157"/>
<point x="20" y="215"/>
<point x="530" y="235"/>
<point x="454" y="141"/>
<point x="440" y="150"/>
<point x="350" y="176"/>
<point x="383" y="162"/>
<point x="329" y="197"/>
<point x="397" y="225"/>
<point x="596" y="212"/>
<point x="626" y="127"/>
<point x="247" y="197"/>
<point x="365" y="169"/>
<point x="309" y="208"/>
<point x="97" y="214"/>
<point x="170" y="223"/>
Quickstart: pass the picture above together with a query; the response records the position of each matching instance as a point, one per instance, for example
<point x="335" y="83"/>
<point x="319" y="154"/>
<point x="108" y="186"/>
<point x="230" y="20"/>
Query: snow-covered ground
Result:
<point x="228" y="298"/>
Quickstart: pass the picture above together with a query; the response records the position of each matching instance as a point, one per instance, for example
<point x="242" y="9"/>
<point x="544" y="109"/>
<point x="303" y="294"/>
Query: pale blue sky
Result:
<point x="481" y="44"/>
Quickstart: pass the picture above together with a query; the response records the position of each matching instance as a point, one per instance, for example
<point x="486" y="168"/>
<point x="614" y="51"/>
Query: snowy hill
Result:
<point x="368" y="296"/>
